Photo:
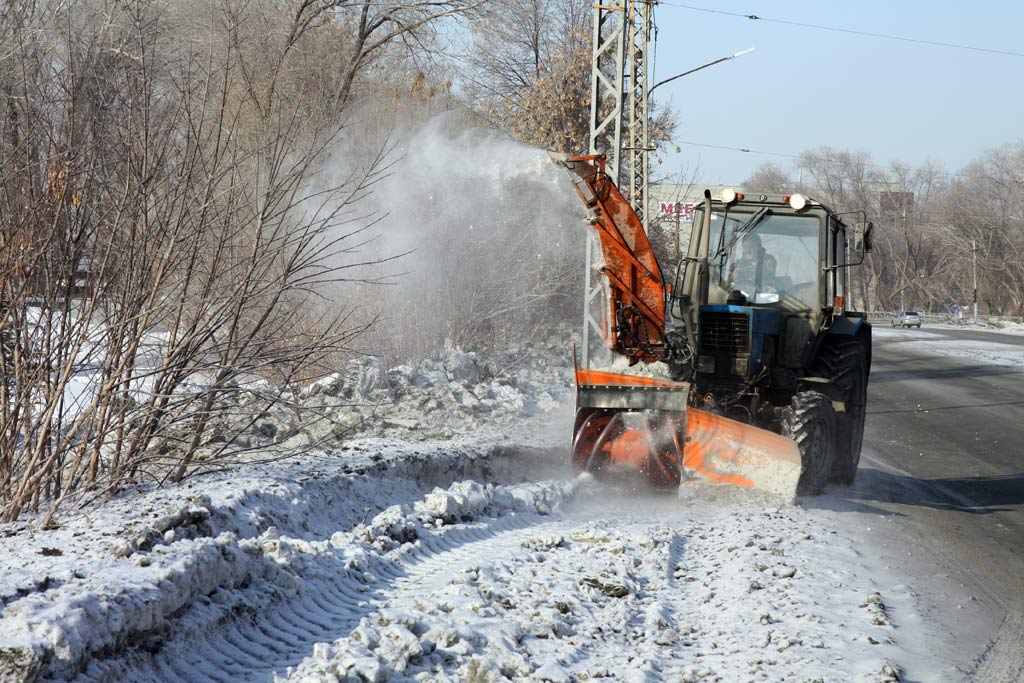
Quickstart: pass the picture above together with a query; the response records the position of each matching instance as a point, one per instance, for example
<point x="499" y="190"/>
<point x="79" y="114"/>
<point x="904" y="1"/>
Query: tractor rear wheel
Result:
<point x="844" y="363"/>
<point x="810" y="420"/>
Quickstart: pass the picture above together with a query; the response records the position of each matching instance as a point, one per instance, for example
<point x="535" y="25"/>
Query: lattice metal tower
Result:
<point x="619" y="126"/>
<point x="637" y="131"/>
<point x="607" y="74"/>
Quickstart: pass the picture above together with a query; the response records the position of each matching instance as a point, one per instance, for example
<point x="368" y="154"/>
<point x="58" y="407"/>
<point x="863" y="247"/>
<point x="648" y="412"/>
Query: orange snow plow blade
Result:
<point x="723" y="451"/>
<point x="645" y="425"/>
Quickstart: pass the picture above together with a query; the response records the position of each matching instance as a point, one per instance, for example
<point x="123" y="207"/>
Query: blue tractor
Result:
<point x="765" y="335"/>
<point x="765" y="368"/>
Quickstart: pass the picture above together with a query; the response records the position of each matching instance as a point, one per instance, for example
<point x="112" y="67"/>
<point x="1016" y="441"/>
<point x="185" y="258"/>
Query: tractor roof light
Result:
<point x="728" y="195"/>
<point x="797" y="201"/>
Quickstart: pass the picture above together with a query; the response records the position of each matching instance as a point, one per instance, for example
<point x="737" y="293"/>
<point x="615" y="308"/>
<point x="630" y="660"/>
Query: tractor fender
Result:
<point x="825" y="387"/>
<point x="844" y="325"/>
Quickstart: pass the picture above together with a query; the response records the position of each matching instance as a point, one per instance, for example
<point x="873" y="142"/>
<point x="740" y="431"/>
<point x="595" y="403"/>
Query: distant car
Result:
<point x="906" y="319"/>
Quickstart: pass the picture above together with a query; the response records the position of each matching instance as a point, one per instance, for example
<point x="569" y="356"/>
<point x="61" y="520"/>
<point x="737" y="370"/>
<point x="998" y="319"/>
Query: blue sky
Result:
<point x="803" y="88"/>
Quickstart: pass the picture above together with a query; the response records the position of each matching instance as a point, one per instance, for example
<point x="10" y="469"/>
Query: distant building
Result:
<point x="671" y="207"/>
<point x="668" y="200"/>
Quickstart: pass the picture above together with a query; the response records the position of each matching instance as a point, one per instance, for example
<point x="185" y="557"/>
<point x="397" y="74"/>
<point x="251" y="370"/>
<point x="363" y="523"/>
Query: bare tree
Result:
<point x="769" y="178"/>
<point x="985" y="208"/>
<point x="168" y="241"/>
<point x="528" y="72"/>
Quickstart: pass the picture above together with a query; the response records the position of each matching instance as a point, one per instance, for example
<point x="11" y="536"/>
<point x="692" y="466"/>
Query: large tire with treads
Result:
<point x="844" y="362"/>
<point x="810" y="420"/>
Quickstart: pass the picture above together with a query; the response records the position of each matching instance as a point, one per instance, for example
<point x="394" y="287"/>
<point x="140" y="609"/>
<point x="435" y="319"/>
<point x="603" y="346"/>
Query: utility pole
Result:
<point x="607" y="72"/>
<point x="618" y="107"/>
<point x="638" y="131"/>
<point x="974" y="250"/>
<point x="678" y="217"/>
<point x="896" y="223"/>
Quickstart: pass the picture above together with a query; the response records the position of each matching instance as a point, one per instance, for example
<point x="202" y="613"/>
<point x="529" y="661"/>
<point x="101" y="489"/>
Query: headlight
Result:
<point x="797" y="201"/>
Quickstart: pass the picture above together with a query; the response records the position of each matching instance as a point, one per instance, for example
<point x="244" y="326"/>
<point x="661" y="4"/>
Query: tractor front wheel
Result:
<point x="810" y="420"/>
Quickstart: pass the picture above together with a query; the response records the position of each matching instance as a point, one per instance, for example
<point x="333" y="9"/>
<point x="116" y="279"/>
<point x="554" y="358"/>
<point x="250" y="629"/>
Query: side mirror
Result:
<point x="862" y="237"/>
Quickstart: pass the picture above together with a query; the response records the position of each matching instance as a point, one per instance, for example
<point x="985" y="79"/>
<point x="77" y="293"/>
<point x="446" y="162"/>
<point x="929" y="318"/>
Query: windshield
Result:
<point x="774" y="257"/>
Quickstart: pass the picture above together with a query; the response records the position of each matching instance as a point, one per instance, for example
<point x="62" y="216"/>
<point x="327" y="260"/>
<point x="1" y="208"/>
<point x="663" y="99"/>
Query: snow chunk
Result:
<point x="461" y="501"/>
<point x="397" y="647"/>
<point x="461" y="367"/>
<point x="393" y="524"/>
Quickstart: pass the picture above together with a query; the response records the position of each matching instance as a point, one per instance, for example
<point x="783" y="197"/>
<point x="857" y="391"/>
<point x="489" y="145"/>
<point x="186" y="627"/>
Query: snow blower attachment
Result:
<point x="627" y="423"/>
<point x="779" y="378"/>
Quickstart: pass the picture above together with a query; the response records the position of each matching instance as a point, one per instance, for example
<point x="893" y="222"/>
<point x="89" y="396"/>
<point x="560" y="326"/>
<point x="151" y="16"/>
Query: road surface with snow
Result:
<point x="941" y="482"/>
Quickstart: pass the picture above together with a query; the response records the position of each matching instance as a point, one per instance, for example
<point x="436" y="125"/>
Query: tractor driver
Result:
<point x="755" y="270"/>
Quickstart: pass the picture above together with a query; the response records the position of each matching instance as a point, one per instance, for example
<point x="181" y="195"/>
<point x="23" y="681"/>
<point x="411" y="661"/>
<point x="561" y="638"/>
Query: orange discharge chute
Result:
<point x="634" y="320"/>
<point x="646" y="425"/>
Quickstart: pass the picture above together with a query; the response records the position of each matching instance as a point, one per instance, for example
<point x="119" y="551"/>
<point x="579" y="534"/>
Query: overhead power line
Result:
<point x="905" y="39"/>
<point x="738" y="149"/>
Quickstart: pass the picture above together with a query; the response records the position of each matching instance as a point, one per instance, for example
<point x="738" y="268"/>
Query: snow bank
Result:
<point x="130" y="574"/>
<point x="425" y="401"/>
<point x="1004" y="326"/>
<point x="994" y="353"/>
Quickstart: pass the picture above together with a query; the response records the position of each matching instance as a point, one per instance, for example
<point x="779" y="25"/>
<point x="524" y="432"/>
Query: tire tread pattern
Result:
<point x="805" y="409"/>
<point x="842" y="361"/>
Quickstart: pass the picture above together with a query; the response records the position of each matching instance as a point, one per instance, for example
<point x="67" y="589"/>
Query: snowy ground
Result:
<point x="556" y="580"/>
<point x="1003" y="326"/>
<point x="616" y="587"/>
<point x="995" y="353"/>
<point x="476" y="558"/>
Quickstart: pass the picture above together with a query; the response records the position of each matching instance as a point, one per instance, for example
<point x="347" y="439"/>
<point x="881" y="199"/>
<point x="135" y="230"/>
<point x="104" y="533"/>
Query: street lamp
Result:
<point x="703" y="66"/>
<point x="647" y="146"/>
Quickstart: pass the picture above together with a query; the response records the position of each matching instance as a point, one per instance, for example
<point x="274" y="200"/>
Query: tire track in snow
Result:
<point x="455" y="553"/>
<point x="448" y="553"/>
<point x="250" y="644"/>
<point x="626" y="590"/>
<point x="258" y="642"/>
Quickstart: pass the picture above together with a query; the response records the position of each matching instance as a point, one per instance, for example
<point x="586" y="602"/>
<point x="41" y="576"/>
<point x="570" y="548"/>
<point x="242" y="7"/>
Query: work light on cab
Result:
<point x="730" y="195"/>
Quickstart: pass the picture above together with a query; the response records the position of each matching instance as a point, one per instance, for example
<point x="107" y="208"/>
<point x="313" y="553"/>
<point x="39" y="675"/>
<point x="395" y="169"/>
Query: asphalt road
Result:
<point x="941" y="490"/>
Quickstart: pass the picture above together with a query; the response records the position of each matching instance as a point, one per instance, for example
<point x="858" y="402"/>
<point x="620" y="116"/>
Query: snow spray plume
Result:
<point x="494" y="238"/>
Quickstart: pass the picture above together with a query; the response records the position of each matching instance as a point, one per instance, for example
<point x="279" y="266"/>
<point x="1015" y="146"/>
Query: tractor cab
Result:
<point x="784" y="250"/>
<point x="775" y="279"/>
